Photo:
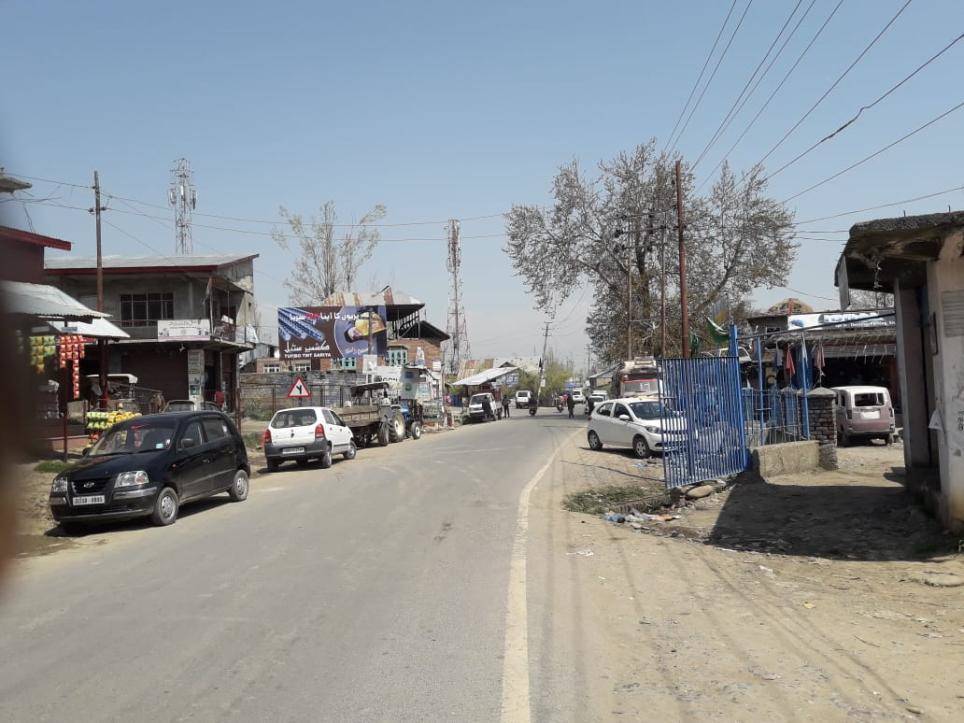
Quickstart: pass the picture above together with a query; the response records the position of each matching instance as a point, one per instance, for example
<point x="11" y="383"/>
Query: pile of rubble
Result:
<point x="690" y="496"/>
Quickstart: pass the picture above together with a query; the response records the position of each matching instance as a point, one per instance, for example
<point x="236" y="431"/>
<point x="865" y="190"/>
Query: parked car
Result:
<point x="577" y="396"/>
<point x="478" y="411"/>
<point x="864" y="413"/>
<point x="149" y="466"/>
<point x="305" y="433"/>
<point x="598" y="395"/>
<point x="634" y="423"/>
<point x="523" y="398"/>
<point x="189" y="405"/>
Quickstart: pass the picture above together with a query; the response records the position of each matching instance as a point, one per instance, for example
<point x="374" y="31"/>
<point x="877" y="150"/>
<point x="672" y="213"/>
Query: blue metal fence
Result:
<point x="703" y="419"/>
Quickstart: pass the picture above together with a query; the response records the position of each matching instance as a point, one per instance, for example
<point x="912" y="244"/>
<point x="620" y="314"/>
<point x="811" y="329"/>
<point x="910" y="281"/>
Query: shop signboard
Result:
<point x="183" y="329"/>
<point x="331" y="332"/>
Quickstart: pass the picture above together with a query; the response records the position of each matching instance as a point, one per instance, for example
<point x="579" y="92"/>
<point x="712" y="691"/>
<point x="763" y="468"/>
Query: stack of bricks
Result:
<point x="823" y="426"/>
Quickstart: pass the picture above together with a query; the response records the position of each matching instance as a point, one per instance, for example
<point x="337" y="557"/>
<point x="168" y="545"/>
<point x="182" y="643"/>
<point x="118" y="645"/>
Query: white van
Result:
<point x="864" y="413"/>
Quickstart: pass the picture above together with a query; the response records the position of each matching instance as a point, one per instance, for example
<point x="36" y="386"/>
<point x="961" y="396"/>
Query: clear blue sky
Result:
<point x="442" y="109"/>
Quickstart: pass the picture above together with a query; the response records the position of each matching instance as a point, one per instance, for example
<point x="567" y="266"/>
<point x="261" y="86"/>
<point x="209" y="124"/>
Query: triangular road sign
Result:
<point x="299" y="390"/>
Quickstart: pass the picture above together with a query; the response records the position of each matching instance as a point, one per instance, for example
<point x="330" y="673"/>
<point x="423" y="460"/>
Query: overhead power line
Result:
<point x="878" y="207"/>
<point x="862" y="108"/>
<point x="731" y="112"/>
<point x="776" y="90"/>
<point x="837" y="82"/>
<point x="700" y="76"/>
<point x="874" y="154"/>
<point x="709" y="82"/>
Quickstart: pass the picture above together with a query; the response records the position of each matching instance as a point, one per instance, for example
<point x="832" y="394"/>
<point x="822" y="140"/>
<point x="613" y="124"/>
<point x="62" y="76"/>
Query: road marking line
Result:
<point x="515" y="661"/>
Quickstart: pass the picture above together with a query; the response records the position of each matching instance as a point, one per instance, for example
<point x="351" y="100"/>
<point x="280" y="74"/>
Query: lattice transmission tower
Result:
<point x="182" y="197"/>
<point x="456" y="327"/>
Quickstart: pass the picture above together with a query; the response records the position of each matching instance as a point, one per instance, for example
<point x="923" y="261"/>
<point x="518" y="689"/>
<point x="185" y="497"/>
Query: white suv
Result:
<point x="577" y="396"/>
<point x="636" y="423"/>
<point x="523" y="398"/>
<point x="304" y="433"/>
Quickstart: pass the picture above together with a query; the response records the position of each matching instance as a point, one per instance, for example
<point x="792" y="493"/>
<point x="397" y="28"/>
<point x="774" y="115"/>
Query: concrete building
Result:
<point x="188" y="317"/>
<point x="921" y="260"/>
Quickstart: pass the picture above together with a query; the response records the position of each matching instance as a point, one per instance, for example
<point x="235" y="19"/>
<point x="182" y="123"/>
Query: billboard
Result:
<point x="331" y="332"/>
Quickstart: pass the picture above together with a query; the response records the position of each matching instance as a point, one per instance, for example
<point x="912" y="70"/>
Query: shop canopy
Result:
<point x="45" y="302"/>
<point x="484" y="377"/>
<point x="96" y="329"/>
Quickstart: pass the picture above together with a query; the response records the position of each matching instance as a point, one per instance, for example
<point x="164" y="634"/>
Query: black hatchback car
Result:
<point x="149" y="466"/>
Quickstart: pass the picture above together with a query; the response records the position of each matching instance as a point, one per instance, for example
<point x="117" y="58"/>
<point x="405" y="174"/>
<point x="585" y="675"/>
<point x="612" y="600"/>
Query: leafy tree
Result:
<point x="329" y="254"/>
<point x="616" y="227"/>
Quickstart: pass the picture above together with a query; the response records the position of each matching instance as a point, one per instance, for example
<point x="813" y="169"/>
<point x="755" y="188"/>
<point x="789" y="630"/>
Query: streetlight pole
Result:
<point x="684" y="304"/>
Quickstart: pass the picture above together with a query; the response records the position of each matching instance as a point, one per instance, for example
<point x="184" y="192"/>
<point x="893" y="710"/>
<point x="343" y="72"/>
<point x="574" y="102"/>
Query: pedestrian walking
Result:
<point x="570" y="405"/>
<point x="505" y="406"/>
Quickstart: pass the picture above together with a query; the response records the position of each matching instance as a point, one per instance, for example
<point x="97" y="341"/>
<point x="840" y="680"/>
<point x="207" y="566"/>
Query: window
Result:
<point x="397" y="357"/>
<point x="338" y="420"/>
<point x="869" y="399"/>
<point x="619" y="410"/>
<point x="348" y="362"/>
<point x="605" y="410"/>
<point x="214" y="429"/>
<point x="293" y="418"/>
<point x="146" y="309"/>
<point x="191" y="432"/>
<point x="301" y="366"/>
<point x="272" y="368"/>
<point x="329" y="417"/>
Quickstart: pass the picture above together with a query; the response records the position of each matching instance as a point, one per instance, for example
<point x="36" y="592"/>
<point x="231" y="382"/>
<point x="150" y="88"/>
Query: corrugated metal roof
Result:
<point x="484" y="376"/>
<point x="389" y="297"/>
<point x="46" y="302"/>
<point x="57" y="263"/>
<point x="96" y="329"/>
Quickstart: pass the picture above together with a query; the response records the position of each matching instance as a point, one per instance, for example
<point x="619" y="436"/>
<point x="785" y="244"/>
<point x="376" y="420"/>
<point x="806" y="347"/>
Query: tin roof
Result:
<point x="45" y="302"/>
<point x="388" y="297"/>
<point x="16" y="234"/>
<point x="484" y="376"/>
<point x="67" y="265"/>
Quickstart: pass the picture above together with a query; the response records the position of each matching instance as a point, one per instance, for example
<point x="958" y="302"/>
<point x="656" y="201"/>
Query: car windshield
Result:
<point x="135" y="437"/>
<point x="294" y="418"/>
<point x="477" y="399"/>
<point x="180" y="406"/>
<point x="648" y="410"/>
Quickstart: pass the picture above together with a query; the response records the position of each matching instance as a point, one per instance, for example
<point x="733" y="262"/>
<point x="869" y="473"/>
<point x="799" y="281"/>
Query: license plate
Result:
<point x="89" y="500"/>
<point x="293" y="450"/>
<point x="870" y="415"/>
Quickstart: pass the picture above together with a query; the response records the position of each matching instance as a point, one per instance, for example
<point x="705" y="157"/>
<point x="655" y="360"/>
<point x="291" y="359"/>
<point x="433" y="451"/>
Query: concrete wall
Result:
<point x="947" y="275"/>
<point x="786" y="458"/>
<point x="431" y="349"/>
<point x="913" y="387"/>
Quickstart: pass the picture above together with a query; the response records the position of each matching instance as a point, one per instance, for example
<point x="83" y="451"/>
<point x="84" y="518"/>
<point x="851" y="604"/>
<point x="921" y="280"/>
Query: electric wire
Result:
<point x="700" y="76"/>
<point x="874" y="154"/>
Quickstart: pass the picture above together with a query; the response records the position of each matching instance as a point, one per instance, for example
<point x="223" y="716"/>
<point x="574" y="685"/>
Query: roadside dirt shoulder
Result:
<point x="631" y="624"/>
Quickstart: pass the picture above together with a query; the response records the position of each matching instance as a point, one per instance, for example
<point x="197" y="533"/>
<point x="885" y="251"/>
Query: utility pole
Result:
<point x="101" y="343"/>
<point x="629" y="289"/>
<point x="456" y="326"/>
<point x="662" y="289"/>
<point x="542" y="363"/>
<point x="685" y="331"/>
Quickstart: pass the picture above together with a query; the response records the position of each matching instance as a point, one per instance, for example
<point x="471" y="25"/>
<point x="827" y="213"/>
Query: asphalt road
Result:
<point x="374" y="590"/>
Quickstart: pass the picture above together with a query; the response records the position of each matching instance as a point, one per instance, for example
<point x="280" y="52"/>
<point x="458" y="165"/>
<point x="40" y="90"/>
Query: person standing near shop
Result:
<point x="570" y="405"/>
<point x="505" y="406"/>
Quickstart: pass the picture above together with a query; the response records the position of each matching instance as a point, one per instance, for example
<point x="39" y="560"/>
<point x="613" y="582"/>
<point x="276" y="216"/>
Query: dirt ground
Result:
<point x="814" y="596"/>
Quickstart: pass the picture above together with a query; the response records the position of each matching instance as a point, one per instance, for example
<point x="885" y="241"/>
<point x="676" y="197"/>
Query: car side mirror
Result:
<point x="188" y="442"/>
<point x="85" y="452"/>
<point x="624" y="417"/>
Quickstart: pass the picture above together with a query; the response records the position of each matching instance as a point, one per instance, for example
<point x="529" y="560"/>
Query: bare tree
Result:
<point x="329" y="254"/>
<point x="613" y="229"/>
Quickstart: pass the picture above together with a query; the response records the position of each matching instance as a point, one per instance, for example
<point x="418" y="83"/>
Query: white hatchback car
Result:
<point x="304" y="433"/>
<point x="635" y="423"/>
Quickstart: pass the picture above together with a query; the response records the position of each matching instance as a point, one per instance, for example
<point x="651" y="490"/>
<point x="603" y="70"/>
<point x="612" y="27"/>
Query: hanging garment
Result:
<point x="789" y="366"/>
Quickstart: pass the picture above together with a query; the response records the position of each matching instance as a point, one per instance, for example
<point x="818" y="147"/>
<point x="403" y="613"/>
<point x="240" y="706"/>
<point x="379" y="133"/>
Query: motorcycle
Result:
<point x="533" y="408"/>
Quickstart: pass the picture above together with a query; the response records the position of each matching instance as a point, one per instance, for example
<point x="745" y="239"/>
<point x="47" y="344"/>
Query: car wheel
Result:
<point x="641" y="447"/>
<point x="416" y="430"/>
<point x="272" y="465"/>
<point x="326" y="459"/>
<point x="238" y="491"/>
<point x="594" y="442"/>
<point x="165" y="508"/>
<point x="383" y="434"/>
<point x="352" y="451"/>
<point x="73" y="529"/>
